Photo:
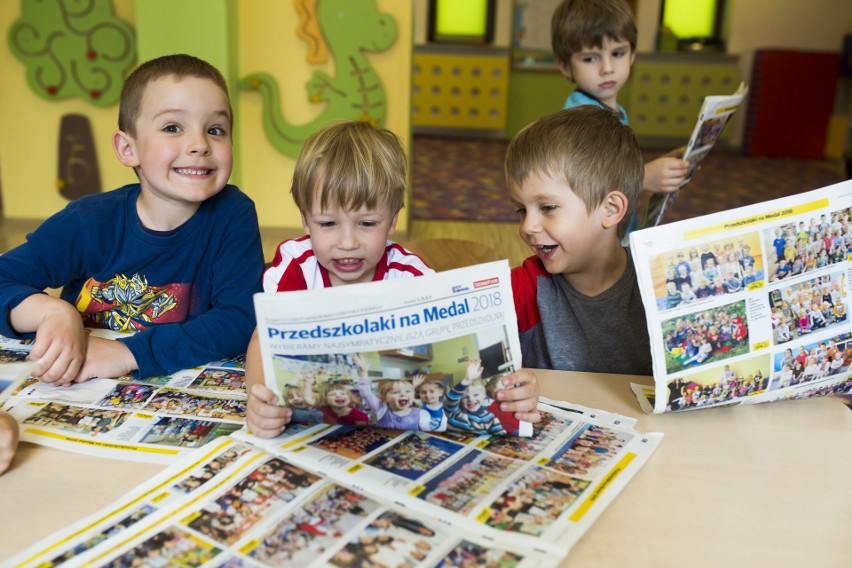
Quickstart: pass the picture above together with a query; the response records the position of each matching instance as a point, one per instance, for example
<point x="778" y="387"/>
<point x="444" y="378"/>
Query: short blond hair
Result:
<point x="585" y="146"/>
<point x="350" y="165"/>
<point x="581" y="24"/>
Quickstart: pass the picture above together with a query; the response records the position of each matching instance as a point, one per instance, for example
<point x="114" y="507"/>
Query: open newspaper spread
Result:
<point x="157" y="419"/>
<point x="716" y="111"/>
<point x="749" y="305"/>
<point x="347" y="496"/>
<point x="426" y="354"/>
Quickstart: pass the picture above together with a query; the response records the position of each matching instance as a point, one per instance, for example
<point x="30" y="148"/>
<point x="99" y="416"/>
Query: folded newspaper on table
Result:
<point x="749" y="305"/>
<point x="344" y="496"/>
<point x="156" y="419"/>
<point x="716" y="111"/>
<point x="427" y="354"/>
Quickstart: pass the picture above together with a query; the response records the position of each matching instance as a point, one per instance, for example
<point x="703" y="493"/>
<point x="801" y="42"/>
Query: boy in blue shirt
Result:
<point x="174" y="258"/>
<point x="594" y="43"/>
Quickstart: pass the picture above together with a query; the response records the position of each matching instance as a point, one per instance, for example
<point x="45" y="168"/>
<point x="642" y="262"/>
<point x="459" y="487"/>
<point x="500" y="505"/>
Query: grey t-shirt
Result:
<point x="567" y="330"/>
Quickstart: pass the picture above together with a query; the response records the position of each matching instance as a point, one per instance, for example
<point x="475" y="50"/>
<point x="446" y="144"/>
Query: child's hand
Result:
<point x="665" y="174"/>
<point x="8" y="440"/>
<point x="363" y="366"/>
<point x="417" y="380"/>
<point x="474" y="370"/>
<point x="264" y="417"/>
<point x="106" y="358"/>
<point x="60" y="343"/>
<point x="520" y="395"/>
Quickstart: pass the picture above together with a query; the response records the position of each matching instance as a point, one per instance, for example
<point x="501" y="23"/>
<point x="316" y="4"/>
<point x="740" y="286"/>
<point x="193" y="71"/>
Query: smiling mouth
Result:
<point x="193" y="171"/>
<point x="348" y="264"/>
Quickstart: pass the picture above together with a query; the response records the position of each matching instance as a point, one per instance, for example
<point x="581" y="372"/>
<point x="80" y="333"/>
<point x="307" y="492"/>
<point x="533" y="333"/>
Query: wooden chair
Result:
<point x="446" y="254"/>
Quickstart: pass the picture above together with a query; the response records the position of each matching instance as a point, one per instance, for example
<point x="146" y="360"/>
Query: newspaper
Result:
<point x="154" y="420"/>
<point x="323" y="495"/>
<point x="716" y="111"/>
<point x="428" y="354"/>
<point x="749" y="305"/>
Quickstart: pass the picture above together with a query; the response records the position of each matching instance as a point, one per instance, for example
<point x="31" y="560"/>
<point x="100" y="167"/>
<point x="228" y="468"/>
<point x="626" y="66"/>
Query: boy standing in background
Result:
<point x="594" y="42"/>
<point x="574" y="177"/>
<point x="174" y="258"/>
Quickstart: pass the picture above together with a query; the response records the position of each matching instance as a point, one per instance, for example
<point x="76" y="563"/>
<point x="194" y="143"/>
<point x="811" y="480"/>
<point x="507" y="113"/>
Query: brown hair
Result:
<point x="579" y="24"/>
<point x="585" y="146"/>
<point x="350" y="165"/>
<point x="178" y="65"/>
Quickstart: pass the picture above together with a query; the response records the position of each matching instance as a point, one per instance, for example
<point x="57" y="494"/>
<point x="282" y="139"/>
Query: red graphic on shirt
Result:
<point x="130" y="304"/>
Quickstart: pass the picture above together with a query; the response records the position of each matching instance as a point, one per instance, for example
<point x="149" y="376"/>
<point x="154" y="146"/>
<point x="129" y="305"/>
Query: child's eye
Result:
<point x="216" y="131"/>
<point x="369" y="224"/>
<point x="171" y="128"/>
<point x="588" y="59"/>
<point x="619" y="53"/>
<point x="521" y="211"/>
<point x="548" y="208"/>
<point x="326" y="224"/>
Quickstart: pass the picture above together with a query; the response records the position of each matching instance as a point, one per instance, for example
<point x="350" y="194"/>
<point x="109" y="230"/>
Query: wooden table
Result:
<point x="764" y="485"/>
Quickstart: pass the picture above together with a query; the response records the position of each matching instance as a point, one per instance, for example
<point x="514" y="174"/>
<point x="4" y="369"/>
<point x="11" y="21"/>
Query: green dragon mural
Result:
<point x="349" y="29"/>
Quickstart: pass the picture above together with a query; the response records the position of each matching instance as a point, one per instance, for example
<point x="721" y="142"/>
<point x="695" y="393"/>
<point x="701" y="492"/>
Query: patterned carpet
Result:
<point x="462" y="179"/>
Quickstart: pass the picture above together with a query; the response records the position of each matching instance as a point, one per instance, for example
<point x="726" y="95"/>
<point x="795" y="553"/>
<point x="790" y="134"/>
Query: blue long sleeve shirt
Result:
<point x="187" y="292"/>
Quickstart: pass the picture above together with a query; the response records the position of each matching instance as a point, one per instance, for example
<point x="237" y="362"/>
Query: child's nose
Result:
<point x="198" y="144"/>
<point x="347" y="240"/>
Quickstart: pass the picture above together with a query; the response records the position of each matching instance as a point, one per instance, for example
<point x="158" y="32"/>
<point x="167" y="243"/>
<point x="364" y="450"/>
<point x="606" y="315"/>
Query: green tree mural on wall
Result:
<point x="347" y="29"/>
<point x="73" y="48"/>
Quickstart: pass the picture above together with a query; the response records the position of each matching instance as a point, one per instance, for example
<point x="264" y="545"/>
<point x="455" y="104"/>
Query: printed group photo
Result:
<point x="720" y="385"/>
<point x="809" y="306"/>
<point x="705" y="337"/>
<point x="811" y="361"/>
<point x="803" y="246"/>
<point x="692" y="275"/>
<point x="447" y="385"/>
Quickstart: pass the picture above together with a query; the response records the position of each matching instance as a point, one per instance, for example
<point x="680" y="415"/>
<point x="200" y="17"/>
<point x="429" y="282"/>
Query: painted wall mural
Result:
<point x="345" y="31"/>
<point x="73" y="48"/>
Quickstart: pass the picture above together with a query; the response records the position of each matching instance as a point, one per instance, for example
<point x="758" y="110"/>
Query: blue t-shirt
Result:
<point x="579" y="97"/>
<point x="187" y="293"/>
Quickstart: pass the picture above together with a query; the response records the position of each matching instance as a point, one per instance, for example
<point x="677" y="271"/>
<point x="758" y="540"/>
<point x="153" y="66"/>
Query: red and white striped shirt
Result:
<point x="295" y="267"/>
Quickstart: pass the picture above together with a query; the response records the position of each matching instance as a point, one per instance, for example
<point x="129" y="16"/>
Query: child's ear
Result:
<point x="565" y="69"/>
<point x="392" y="228"/>
<point x="125" y="149"/>
<point x="613" y="209"/>
<point x="305" y="224"/>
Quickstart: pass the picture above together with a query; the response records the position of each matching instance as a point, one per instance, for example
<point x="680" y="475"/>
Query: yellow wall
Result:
<point x="29" y="137"/>
<point x="269" y="44"/>
<point x="266" y="42"/>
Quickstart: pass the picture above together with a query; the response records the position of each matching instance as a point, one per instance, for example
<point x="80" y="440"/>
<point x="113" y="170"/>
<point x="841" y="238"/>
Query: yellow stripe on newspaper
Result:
<point x="98" y="444"/>
<point x="602" y="486"/>
<point x="149" y="530"/>
<point x="121" y="510"/>
<point x="755" y="219"/>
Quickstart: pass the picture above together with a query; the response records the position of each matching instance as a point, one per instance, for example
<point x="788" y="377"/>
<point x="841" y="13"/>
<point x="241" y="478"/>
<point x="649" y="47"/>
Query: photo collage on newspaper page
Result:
<point x="153" y="420"/>
<point x="345" y="495"/>
<point x="716" y="112"/>
<point x="749" y="305"/>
